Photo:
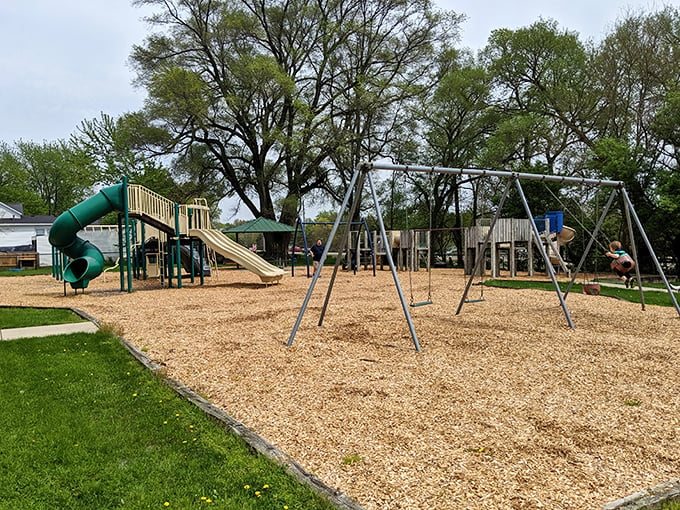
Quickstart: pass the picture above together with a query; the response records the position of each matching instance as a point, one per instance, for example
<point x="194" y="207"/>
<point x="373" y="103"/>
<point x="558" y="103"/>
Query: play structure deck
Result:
<point x="511" y="235"/>
<point x="181" y="223"/>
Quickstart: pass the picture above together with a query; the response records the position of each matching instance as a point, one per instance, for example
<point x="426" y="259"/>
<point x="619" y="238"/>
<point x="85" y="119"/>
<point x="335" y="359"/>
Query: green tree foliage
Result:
<point x="127" y="146"/>
<point x="286" y="97"/>
<point x="47" y="178"/>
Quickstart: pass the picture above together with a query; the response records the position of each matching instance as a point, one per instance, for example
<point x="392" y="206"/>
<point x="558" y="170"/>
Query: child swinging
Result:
<point x="622" y="263"/>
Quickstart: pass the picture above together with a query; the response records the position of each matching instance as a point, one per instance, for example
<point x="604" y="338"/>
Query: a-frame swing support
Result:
<point x="363" y="173"/>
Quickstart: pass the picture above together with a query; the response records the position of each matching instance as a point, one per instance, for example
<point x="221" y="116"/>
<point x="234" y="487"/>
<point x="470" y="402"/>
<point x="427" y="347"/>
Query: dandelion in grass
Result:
<point x="167" y="503"/>
<point x="246" y="487"/>
<point x="134" y="394"/>
<point x="258" y="494"/>
<point x="265" y="486"/>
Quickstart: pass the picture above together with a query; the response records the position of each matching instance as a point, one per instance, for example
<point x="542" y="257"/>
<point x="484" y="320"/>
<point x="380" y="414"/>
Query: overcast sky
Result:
<point x="64" y="61"/>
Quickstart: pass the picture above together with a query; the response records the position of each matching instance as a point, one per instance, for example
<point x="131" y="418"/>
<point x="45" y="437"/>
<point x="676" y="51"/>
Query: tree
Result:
<point x="541" y="75"/>
<point x="636" y="67"/>
<point x="47" y="178"/>
<point x="286" y="96"/>
<point x="126" y="146"/>
<point x="13" y="188"/>
<point x="458" y="120"/>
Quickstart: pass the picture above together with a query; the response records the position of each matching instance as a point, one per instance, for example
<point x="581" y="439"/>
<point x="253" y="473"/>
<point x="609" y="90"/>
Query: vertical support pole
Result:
<point x="482" y="248"/>
<point x="371" y="244"/>
<point x="393" y="269"/>
<point x="305" y="247"/>
<point x="170" y="261"/>
<point x="191" y="246"/>
<point x="191" y="258"/>
<point x="293" y="255"/>
<point x="546" y="257"/>
<point x="178" y="250"/>
<point x="201" y="260"/>
<point x="310" y="290"/>
<point x="144" y="273"/>
<point x="127" y="233"/>
<point x="651" y="250"/>
<point x="629" y="224"/>
<point x="121" y="253"/>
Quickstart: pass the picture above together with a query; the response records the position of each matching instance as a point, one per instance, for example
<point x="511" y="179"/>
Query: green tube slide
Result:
<point x="87" y="262"/>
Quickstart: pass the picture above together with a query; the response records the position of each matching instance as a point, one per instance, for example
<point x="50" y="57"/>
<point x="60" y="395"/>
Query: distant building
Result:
<point x="29" y="234"/>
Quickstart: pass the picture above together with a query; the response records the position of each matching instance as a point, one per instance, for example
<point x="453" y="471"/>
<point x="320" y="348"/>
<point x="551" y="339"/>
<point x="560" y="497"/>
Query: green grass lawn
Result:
<point x="86" y="426"/>
<point x="25" y="272"/>
<point x="633" y="295"/>
<point x="11" y="317"/>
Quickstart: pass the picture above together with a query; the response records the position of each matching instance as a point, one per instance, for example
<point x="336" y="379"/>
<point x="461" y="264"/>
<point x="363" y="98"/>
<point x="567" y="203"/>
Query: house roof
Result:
<point x="28" y="220"/>
<point x="259" y="225"/>
<point x="15" y="210"/>
<point x="17" y="207"/>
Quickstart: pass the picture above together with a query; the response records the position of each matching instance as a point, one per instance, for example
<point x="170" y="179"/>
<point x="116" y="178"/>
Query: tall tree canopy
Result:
<point x="285" y="96"/>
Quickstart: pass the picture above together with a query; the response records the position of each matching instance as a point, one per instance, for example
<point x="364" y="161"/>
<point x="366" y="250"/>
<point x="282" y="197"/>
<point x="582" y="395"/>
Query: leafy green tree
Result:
<point x="47" y="178"/>
<point x="636" y="68"/>
<point x="127" y="146"/>
<point x="286" y="97"/>
<point x="458" y="119"/>
<point x="541" y="75"/>
<point x="13" y="188"/>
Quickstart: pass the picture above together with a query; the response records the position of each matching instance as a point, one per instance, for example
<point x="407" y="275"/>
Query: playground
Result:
<point x="505" y="407"/>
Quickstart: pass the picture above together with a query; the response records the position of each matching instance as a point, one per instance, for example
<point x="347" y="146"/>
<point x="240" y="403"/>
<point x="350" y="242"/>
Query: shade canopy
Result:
<point x="260" y="225"/>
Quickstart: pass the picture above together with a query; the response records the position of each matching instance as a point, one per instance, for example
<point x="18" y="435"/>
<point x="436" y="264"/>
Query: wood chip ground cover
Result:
<point x="506" y="407"/>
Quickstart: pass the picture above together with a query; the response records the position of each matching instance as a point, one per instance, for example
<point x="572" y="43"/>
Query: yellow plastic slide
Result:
<point x="239" y="254"/>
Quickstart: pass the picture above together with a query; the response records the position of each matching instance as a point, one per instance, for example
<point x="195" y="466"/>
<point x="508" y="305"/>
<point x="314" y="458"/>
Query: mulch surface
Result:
<point x="505" y="407"/>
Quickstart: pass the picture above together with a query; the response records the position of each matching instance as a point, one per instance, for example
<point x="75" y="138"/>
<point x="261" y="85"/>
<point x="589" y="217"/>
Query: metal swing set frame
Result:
<point x="362" y="173"/>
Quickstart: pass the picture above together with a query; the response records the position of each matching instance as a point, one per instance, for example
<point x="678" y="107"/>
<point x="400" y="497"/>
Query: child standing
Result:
<point x="622" y="263"/>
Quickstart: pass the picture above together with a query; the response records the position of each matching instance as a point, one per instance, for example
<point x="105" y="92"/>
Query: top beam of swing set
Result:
<point x="362" y="173"/>
<point x="491" y="173"/>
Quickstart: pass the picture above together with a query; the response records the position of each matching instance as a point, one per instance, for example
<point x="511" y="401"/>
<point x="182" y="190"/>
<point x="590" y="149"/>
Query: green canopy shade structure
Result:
<point x="260" y="225"/>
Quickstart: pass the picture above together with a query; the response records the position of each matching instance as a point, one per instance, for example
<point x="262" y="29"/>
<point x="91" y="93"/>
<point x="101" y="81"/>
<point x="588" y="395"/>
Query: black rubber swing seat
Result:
<point x="421" y="303"/>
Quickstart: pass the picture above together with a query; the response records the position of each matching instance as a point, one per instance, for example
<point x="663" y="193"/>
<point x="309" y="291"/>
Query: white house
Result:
<point x="19" y="233"/>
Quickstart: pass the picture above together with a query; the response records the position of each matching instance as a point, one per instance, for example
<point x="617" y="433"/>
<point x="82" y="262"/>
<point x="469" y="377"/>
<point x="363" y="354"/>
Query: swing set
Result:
<point x="362" y="174"/>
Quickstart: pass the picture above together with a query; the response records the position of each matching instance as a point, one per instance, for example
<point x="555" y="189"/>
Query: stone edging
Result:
<point x="337" y="498"/>
<point x="334" y="496"/>
<point x="648" y="499"/>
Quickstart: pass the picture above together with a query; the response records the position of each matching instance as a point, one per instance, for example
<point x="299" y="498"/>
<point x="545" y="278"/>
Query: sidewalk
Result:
<point x="55" y="329"/>
<point x="622" y="286"/>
